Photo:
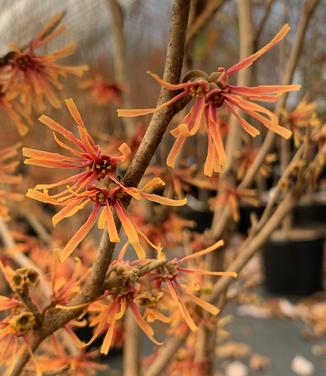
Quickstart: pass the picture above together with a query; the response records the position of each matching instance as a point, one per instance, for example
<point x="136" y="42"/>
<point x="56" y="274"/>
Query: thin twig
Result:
<point x="119" y="58"/>
<point x="262" y="23"/>
<point x="203" y="19"/>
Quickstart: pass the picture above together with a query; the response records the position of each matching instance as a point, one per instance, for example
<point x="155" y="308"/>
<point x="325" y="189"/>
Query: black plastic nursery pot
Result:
<point x="293" y="264"/>
<point x="307" y="213"/>
<point x="245" y="214"/>
<point x="203" y="219"/>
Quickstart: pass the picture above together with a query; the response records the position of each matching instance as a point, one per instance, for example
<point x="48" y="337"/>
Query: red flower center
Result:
<point x="102" y="166"/>
<point x="24" y="62"/>
<point x="107" y="196"/>
<point x="217" y="100"/>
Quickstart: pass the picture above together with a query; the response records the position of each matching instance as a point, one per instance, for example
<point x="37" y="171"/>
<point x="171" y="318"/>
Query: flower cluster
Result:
<point x="18" y="321"/>
<point x="214" y="92"/>
<point x="101" y="91"/>
<point x="97" y="184"/>
<point x="231" y="196"/>
<point x="144" y="285"/>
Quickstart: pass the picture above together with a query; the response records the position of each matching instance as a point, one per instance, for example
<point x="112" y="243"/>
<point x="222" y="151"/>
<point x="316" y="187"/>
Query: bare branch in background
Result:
<point x="203" y="19"/>
<point x="119" y="56"/>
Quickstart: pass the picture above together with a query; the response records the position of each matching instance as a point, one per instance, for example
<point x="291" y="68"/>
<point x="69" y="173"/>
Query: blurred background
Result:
<point x="270" y="328"/>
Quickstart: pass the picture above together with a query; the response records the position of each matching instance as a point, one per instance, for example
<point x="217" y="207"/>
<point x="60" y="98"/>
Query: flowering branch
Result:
<point x="54" y="318"/>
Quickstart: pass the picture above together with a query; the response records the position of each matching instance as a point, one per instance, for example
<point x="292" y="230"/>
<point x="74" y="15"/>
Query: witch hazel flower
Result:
<point x="36" y="77"/>
<point x="174" y="275"/>
<point x="85" y="154"/>
<point x="104" y="200"/>
<point x="101" y="91"/>
<point x="213" y="92"/>
<point x="123" y="289"/>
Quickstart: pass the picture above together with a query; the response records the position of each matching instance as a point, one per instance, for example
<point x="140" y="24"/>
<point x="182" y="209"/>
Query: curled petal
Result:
<point x="263" y="89"/>
<point x="245" y="125"/>
<point x="202" y="303"/>
<point x="181" y="133"/>
<point x="153" y="183"/>
<point x="203" y="252"/>
<point x="169" y="86"/>
<point x="245" y="63"/>
<point x="108" y="339"/>
<point x="164" y="200"/>
<point x="52" y="124"/>
<point x="143" y="324"/>
<point x="125" y="152"/>
<point x="69" y="210"/>
<point x="80" y="234"/>
<point x="182" y="307"/>
<point x="41" y="196"/>
<point x="146" y="111"/>
<point x="130" y="230"/>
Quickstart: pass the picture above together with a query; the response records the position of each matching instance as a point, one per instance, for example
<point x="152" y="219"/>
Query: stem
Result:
<point x="203" y="19"/>
<point x="262" y="23"/>
<point x="244" y="77"/>
<point x="165" y="355"/>
<point x="119" y="58"/>
<point x="205" y="353"/>
<point x="131" y="346"/>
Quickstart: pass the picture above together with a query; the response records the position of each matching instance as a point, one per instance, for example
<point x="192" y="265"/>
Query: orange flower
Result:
<point x="7" y="168"/>
<point x="211" y="93"/>
<point x="64" y="364"/>
<point x="231" y="196"/>
<point x="173" y="274"/>
<point x="246" y="157"/>
<point x="101" y="91"/>
<point x="120" y="298"/>
<point x="15" y="326"/>
<point x="86" y="155"/>
<point x="104" y="199"/>
<point x="179" y="180"/>
<point x="66" y="279"/>
<point x="169" y="231"/>
<point x="302" y="116"/>
<point x="36" y="77"/>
